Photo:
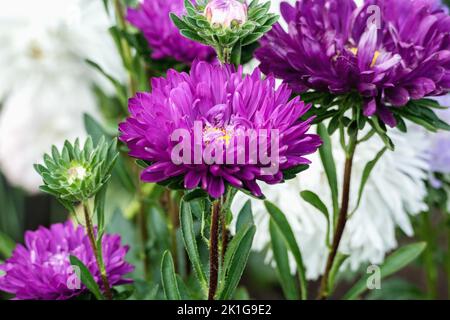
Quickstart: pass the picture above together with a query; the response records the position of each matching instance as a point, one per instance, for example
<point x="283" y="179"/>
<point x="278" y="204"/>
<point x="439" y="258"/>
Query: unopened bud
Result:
<point x="226" y="13"/>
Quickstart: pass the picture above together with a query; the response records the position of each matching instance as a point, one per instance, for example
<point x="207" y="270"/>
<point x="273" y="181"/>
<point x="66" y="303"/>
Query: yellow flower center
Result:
<point x="211" y="134"/>
<point x="374" y="59"/>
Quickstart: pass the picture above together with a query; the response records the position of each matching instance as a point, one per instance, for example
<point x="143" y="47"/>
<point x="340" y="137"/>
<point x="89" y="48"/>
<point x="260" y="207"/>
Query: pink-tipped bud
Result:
<point x="226" y="13"/>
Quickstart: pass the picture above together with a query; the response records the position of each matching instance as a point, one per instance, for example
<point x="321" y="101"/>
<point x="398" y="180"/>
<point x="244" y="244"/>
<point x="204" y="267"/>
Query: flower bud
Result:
<point x="226" y="13"/>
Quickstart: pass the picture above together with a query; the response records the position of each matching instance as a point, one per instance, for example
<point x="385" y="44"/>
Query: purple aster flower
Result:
<point x="221" y="105"/>
<point x="390" y="51"/>
<point x="164" y="38"/>
<point x="40" y="269"/>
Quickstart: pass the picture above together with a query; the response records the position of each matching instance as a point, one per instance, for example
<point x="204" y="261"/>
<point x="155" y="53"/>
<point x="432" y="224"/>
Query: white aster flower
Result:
<point x="45" y="84"/>
<point x="394" y="191"/>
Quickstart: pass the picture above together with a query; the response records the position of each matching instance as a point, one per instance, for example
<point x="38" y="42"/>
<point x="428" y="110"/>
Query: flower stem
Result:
<point x="97" y="251"/>
<point x="126" y="50"/>
<point x="448" y="254"/>
<point x="214" y="250"/>
<point x="430" y="266"/>
<point x="342" y="219"/>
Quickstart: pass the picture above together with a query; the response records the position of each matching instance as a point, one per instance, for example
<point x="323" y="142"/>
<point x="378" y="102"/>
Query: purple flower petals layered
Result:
<point x="226" y="104"/>
<point x="390" y="51"/>
<point x="152" y="17"/>
<point x="41" y="270"/>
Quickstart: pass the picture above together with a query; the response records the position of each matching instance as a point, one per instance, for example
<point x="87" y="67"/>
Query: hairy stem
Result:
<point x="224" y="235"/>
<point x="97" y="251"/>
<point x="342" y="218"/>
<point x="214" y="251"/>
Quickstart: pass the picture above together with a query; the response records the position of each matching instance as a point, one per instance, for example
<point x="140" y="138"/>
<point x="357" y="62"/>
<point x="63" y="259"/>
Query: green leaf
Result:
<point x="120" y="89"/>
<point x="245" y="216"/>
<point x="280" y="253"/>
<point x="169" y="278"/>
<point x="395" y="262"/>
<point x="338" y="261"/>
<point x="235" y="262"/>
<point x="252" y="37"/>
<point x="314" y="200"/>
<point x="326" y="156"/>
<point x="291" y="173"/>
<point x="99" y="208"/>
<point x="192" y="35"/>
<point x="195" y="195"/>
<point x="86" y="277"/>
<point x="374" y="122"/>
<point x="180" y="24"/>
<point x="279" y="219"/>
<point x="94" y="129"/>
<point x="190" y="243"/>
<point x="7" y="245"/>
<point x="366" y="174"/>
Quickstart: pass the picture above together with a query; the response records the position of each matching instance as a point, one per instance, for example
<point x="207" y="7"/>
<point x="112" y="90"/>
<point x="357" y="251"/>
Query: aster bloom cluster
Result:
<point x="41" y="270"/>
<point x="226" y="104"/>
<point x="388" y="51"/>
<point x="214" y="136"/>
<point x="152" y="18"/>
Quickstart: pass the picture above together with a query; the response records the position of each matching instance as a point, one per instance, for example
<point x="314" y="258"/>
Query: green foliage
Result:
<point x="279" y="220"/>
<point x="169" y="278"/>
<point x="281" y="256"/>
<point x="86" y="277"/>
<point x="421" y="112"/>
<point x="189" y="237"/>
<point x="393" y="263"/>
<point x="236" y="258"/>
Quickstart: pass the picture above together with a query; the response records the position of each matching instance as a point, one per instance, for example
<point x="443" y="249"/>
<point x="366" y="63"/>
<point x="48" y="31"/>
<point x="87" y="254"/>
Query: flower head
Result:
<point x="40" y="269"/>
<point x="390" y="51"/>
<point x="221" y="115"/>
<point x="226" y="13"/>
<point x="152" y="18"/>
<point x="76" y="174"/>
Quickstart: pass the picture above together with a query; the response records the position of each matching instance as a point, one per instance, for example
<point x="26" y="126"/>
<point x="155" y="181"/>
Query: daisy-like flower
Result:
<point x="152" y="17"/>
<point x="390" y="51"/>
<point x="40" y="269"/>
<point x="224" y="115"/>
<point x="394" y="191"/>
<point x="45" y="84"/>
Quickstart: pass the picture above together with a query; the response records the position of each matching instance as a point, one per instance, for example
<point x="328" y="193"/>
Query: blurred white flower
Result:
<point x="45" y="84"/>
<point x="395" y="191"/>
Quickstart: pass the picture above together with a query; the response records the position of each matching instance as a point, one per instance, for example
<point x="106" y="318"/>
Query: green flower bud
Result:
<point x="77" y="174"/>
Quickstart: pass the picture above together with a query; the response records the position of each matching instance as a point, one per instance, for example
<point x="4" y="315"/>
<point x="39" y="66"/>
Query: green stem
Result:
<point x="214" y="250"/>
<point x="448" y="253"/>
<point x="342" y="219"/>
<point x="97" y="251"/>
<point x="430" y="266"/>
